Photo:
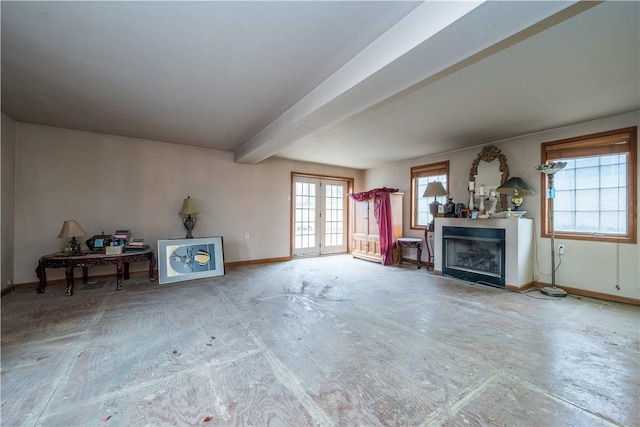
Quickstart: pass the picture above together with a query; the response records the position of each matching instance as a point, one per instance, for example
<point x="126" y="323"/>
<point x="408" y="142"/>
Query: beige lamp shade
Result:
<point x="435" y="189"/>
<point x="71" y="228"/>
<point x="188" y="207"/>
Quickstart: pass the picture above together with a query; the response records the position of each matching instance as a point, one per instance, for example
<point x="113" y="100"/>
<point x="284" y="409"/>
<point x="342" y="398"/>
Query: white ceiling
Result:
<point x="354" y="84"/>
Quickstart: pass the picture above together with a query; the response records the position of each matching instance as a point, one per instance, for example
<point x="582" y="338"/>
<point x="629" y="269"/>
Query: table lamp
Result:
<point x="188" y="209"/>
<point x="516" y="188"/>
<point x="71" y="229"/>
<point x="435" y="189"/>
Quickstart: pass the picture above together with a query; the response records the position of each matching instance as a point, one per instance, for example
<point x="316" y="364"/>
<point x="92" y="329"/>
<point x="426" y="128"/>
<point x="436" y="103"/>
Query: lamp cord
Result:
<point x="535" y="249"/>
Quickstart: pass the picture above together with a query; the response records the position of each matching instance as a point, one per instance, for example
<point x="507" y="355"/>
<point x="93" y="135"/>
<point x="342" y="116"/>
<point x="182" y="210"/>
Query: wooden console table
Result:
<point x="86" y="260"/>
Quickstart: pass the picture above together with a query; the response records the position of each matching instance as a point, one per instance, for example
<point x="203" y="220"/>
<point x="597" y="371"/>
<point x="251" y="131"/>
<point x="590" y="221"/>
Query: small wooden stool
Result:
<point x="409" y="242"/>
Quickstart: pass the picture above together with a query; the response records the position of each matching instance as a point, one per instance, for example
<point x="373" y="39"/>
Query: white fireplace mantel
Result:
<point x="518" y="246"/>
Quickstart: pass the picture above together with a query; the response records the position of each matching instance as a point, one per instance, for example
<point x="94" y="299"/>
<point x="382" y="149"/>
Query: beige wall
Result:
<point x="7" y="153"/>
<point x="109" y="182"/>
<point x="592" y="266"/>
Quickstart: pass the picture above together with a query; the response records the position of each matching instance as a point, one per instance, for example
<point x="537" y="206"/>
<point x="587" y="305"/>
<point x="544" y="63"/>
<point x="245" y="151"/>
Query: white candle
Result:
<point x="481" y="192"/>
<point x="472" y="185"/>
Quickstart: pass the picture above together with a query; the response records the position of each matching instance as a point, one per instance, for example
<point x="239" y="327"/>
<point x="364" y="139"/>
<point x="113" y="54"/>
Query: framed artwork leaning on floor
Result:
<point x="189" y="259"/>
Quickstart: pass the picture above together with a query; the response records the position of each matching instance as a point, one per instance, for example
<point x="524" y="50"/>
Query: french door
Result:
<point x="319" y="216"/>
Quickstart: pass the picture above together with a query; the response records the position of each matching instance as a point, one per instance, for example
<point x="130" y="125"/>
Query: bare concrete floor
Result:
<point x="323" y="341"/>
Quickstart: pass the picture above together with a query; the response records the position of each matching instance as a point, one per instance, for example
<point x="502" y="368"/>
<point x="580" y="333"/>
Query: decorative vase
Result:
<point x="450" y="208"/>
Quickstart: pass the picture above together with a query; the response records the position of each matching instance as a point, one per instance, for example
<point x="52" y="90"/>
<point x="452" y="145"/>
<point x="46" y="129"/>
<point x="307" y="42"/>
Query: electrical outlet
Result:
<point x="246" y="235"/>
<point x="560" y="249"/>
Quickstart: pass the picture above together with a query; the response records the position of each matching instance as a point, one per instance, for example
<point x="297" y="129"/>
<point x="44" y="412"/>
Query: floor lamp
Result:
<point x="550" y="169"/>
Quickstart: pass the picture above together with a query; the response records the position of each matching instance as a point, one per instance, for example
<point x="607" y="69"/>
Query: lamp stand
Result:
<point x="552" y="290"/>
<point x="72" y="248"/>
<point x="433" y="210"/>
<point x="75" y="246"/>
<point x="516" y="200"/>
<point x="189" y="222"/>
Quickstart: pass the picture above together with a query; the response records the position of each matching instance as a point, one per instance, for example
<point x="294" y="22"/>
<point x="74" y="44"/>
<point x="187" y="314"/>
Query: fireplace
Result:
<point x="517" y="252"/>
<point x="474" y="254"/>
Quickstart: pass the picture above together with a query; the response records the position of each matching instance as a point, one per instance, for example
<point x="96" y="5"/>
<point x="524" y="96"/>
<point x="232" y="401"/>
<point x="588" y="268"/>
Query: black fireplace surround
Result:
<point x="474" y="254"/>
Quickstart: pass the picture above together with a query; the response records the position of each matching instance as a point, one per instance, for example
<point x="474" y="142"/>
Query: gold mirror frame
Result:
<point x="488" y="154"/>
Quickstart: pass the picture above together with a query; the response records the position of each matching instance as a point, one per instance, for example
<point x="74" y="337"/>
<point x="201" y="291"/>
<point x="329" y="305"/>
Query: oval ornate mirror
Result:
<point x="490" y="169"/>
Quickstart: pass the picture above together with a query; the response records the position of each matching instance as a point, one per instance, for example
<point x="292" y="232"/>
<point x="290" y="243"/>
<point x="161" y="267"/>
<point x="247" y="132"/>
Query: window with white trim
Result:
<point x="421" y="176"/>
<point x="595" y="194"/>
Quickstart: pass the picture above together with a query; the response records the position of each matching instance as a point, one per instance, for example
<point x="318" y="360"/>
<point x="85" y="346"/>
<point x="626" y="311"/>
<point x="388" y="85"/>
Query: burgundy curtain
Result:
<point x="382" y="213"/>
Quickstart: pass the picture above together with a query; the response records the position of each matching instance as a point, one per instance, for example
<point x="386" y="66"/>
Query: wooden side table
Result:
<point x="428" y="235"/>
<point x="408" y="242"/>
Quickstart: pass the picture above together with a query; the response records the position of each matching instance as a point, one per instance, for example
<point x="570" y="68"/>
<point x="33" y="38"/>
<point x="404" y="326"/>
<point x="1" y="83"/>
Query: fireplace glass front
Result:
<point x="474" y="254"/>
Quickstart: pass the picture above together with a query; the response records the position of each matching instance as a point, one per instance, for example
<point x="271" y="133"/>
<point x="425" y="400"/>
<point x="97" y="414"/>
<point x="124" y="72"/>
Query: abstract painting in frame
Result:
<point x="189" y="259"/>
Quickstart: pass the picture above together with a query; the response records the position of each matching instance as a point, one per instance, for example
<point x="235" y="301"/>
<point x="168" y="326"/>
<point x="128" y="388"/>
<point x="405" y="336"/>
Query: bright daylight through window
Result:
<point x="421" y="176"/>
<point x="595" y="194"/>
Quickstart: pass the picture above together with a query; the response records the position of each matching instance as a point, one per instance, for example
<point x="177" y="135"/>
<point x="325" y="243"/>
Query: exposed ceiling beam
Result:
<point x="387" y="67"/>
<point x="422" y="23"/>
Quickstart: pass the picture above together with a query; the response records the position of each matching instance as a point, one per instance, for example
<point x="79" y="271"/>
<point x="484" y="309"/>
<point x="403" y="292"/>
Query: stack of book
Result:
<point x="123" y="235"/>
<point x="135" y="245"/>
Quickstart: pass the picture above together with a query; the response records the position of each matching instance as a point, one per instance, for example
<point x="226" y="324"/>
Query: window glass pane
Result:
<point x="587" y="222"/>
<point x="610" y="176"/>
<point x="584" y="162"/>
<point x="587" y="178"/>
<point x="622" y="199"/>
<point x="422" y="203"/>
<point x="610" y="223"/>
<point x="564" y="221"/>
<point x="421" y="176"/>
<point x="623" y="225"/>
<point x="591" y="195"/>
<point x="423" y="218"/>
<point x="609" y="200"/>
<point x="564" y="200"/>
<point x="588" y="200"/>
<point x="610" y="160"/>
<point x="565" y="179"/>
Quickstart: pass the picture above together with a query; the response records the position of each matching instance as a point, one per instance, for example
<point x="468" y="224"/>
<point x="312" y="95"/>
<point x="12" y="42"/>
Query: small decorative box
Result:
<point x="113" y="250"/>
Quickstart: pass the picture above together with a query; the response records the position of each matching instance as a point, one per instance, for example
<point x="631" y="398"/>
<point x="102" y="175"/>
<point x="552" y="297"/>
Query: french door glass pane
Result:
<point x="334" y="213"/>
<point x="305" y="215"/>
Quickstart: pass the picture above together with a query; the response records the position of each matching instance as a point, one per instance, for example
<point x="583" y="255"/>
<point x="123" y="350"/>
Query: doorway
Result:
<point x="319" y="215"/>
